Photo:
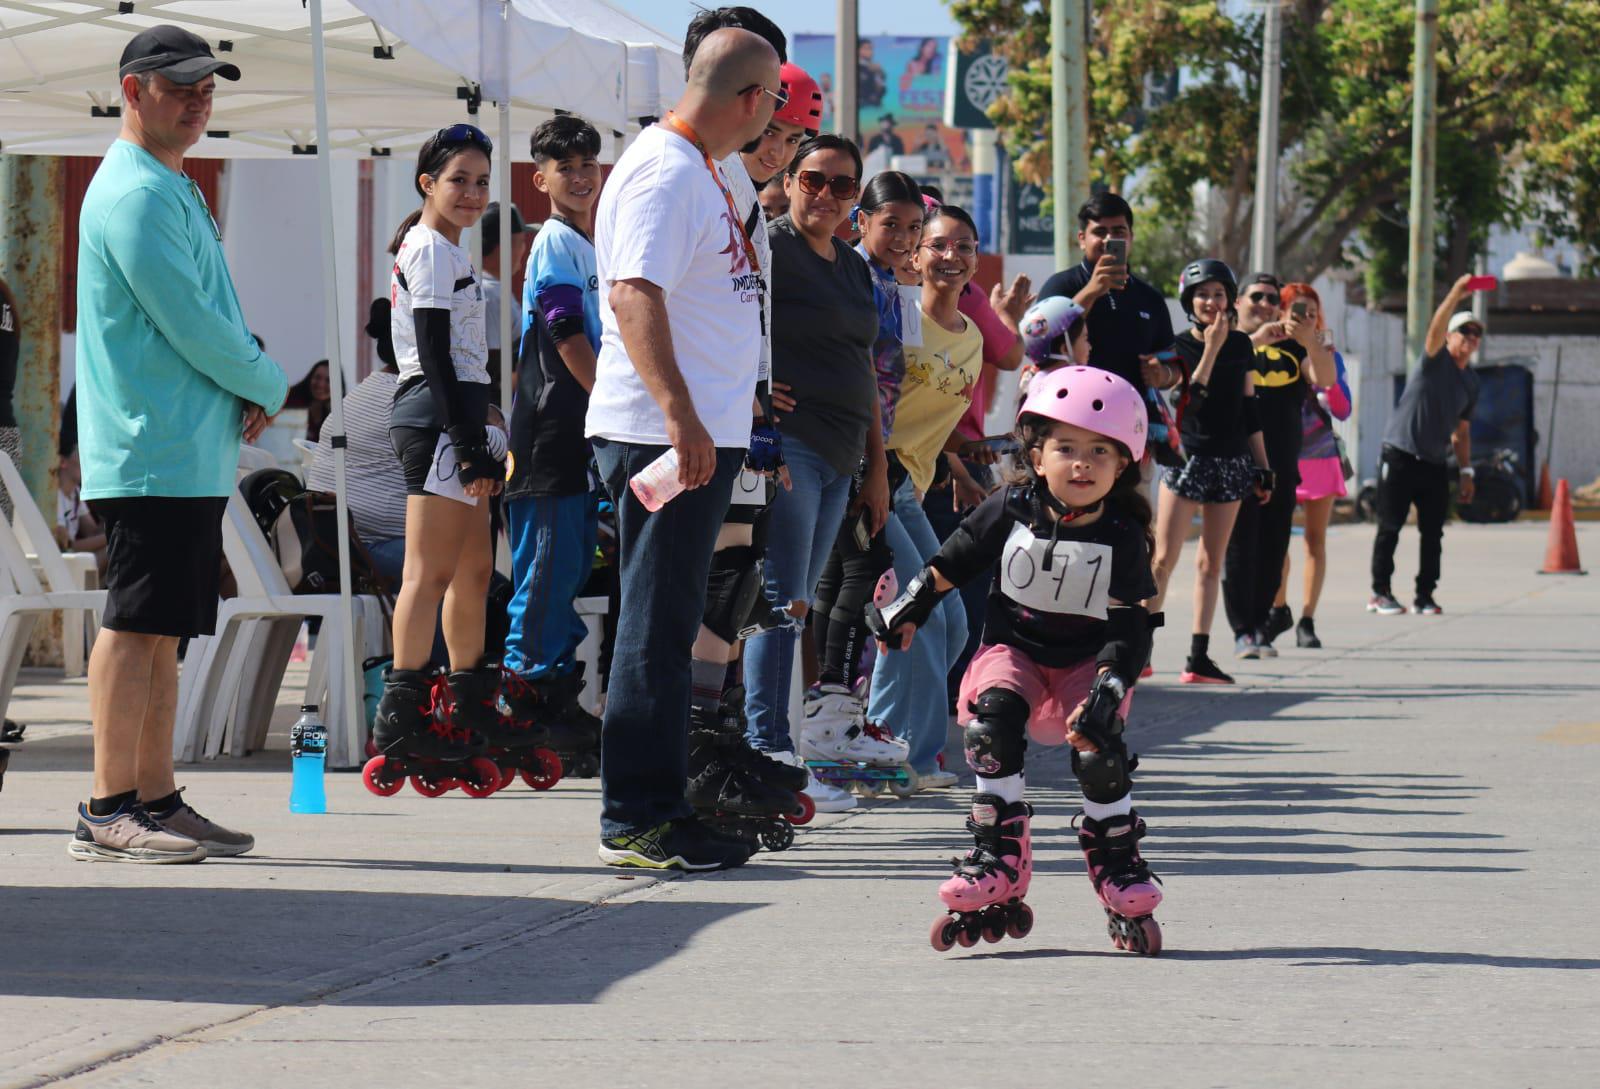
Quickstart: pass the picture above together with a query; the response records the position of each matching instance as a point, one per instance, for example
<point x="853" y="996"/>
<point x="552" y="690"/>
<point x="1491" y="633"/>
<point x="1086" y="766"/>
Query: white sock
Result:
<point x="1101" y="810"/>
<point x="1009" y="788"/>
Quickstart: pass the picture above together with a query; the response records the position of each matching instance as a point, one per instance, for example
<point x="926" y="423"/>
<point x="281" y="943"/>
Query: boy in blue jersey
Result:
<point x="550" y="512"/>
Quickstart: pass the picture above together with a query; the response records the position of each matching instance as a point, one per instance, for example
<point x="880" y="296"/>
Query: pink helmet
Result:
<point x="1092" y="399"/>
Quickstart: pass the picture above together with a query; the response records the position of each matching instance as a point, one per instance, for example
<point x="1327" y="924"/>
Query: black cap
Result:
<point x="491" y="225"/>
<point x="173" y="52"/>
<point x="1265" y="278"/>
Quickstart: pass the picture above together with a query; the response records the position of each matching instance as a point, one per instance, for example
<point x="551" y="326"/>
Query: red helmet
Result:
<point x="804" y="107"/>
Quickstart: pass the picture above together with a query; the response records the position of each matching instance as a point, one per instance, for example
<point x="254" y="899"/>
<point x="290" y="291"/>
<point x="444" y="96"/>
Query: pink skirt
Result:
<point x="1052" y="693"/>
<point x="1320" y="478"/>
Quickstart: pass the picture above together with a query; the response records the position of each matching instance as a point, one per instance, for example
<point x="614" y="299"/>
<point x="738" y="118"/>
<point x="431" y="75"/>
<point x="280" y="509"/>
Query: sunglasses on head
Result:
<point x="465" y="134"/>
<point x="1268" y="297"/>
<point x="840" y="186"/>
<point x="780" y="96"/>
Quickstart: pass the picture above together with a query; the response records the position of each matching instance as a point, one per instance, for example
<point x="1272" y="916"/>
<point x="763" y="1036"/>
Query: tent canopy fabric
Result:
<point x="59" y="92"/>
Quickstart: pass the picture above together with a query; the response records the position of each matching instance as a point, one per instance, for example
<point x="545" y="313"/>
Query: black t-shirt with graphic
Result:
<point x="1055" y="579"/>
<point x="1279" y="374"/>
<point x="1213" y="421"/>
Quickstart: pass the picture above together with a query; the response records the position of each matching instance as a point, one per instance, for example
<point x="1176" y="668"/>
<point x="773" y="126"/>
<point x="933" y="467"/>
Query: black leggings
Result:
<point x="838" y="615"/>
<point x="1253" y="566"/>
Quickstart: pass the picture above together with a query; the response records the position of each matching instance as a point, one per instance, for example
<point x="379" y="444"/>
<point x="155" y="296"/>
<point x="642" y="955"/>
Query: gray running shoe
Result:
<point x="685" y="844"/>
<point x="130" y="834"/>
<point x="218" y="841"/>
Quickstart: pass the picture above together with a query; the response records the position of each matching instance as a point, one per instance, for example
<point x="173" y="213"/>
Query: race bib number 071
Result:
<point x="1076" y="581"/>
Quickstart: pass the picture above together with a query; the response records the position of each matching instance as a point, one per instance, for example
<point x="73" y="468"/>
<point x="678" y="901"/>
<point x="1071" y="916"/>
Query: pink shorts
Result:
<point x="1320" y="478"/>
<point x="1052" y="693"/>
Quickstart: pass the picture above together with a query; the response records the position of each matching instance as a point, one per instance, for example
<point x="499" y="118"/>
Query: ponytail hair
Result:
<point x="1127" y="495"/>
<point x="432" y="158"/>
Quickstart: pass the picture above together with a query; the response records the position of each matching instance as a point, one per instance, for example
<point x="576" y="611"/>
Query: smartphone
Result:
<point x="1000" y="444"/>
<point x="1301" y="309"/>
<point x="862" y="531"/>
<point x="1117" y="250"/>
<point x="1483" y="283"/>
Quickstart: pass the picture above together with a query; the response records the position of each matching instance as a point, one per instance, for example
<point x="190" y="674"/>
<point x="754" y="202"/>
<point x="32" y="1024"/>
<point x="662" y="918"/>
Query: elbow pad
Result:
<point x="913" y="607"/>
<point x="1252" y="415"/>
<point x="1128" y="640"/>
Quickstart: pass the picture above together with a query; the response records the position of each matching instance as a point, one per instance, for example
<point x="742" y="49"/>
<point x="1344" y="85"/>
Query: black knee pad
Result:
<point x="997" y="740"/>
<point x="732" y="591"/>
<point x="1105" y="776"/>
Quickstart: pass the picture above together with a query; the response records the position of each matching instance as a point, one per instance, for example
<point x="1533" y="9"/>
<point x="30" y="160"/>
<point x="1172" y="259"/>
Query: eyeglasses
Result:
<point x="779" y="96"/>
<point x="1264" y="297"/>
<point x="465" y="134"/>
<point x="960" y="246"/>
<point x="841" y="186"/>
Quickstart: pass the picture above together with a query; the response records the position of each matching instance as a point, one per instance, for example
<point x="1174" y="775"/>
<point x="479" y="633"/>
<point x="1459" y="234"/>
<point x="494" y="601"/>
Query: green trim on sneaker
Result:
<point x="648" y="850"/>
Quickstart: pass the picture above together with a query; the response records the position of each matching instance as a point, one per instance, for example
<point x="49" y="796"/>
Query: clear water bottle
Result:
<point x="308" y="749"/>
<point x="657" y="484"/>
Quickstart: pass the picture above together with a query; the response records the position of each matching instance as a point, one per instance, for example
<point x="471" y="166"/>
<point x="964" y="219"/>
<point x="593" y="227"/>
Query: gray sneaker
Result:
<point x="218" y="841"/>
<point x="130" y="834"/>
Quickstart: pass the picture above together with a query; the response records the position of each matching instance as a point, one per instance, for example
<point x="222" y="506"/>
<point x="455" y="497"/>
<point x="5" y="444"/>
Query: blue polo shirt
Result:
<point x="165" y="360"/>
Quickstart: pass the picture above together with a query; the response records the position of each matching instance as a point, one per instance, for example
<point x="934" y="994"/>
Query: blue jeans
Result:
<point x="801" y="527"/>
<point x="552" y="551"/>
<point x="664" y="560"/>
<point x="944" y="519"/>
<point x="908" y="687"/>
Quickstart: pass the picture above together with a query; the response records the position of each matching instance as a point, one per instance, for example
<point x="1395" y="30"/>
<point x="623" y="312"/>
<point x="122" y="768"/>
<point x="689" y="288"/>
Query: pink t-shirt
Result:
<point x="997" y="341"/>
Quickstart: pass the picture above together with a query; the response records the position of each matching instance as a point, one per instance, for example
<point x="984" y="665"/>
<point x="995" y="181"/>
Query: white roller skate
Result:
<point x="835" y="728"/>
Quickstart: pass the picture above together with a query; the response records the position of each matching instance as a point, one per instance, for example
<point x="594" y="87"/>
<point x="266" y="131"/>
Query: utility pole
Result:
<point x="1264" y="227"/>
<point x="1419" y="274"/>
<point x="845" y="70"/>
<point x="30" y="263"/>
<point x="1069" y="150"/>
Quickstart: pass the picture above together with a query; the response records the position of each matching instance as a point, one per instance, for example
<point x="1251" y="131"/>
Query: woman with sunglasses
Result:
<point x="824" y="323"/>
<point x="439" y="427"/>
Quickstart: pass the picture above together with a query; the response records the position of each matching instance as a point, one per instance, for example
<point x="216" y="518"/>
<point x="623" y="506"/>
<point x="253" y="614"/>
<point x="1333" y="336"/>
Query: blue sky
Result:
<point x="807" y="16"/>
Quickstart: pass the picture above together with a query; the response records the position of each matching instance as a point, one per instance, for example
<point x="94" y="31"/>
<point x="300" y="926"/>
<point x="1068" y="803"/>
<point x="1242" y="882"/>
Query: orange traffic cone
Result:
<point x="1561" y="553"/>
<point x="1545" y="497"/>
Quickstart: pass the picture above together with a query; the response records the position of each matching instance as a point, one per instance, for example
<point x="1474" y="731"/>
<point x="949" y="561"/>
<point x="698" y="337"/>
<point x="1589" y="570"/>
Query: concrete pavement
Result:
<point x="1380" y="863"/>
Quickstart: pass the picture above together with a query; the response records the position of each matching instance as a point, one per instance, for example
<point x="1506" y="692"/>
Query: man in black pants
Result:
<point x="1431" y="418"/>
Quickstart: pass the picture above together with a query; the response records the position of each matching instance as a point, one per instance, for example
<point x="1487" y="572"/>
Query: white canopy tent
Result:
<point x="329" y="78"/>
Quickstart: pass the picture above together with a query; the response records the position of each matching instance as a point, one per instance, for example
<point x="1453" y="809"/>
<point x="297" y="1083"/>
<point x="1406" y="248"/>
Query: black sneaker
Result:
<point x="1279" y="620"/>
<point x="1384" y="604"/>
<point x="1426" y="606"/>
<point x="676" y="845"/>
<point x="1264" y="647"/>
<point x="1203" y="671"/>
<point x="1305" y="634"/>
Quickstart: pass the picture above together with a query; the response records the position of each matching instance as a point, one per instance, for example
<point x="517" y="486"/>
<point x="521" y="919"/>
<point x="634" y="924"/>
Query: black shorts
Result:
<point x="415" y="426"/>
<point x="163" y="563"/>
<point x="414" y="446"/>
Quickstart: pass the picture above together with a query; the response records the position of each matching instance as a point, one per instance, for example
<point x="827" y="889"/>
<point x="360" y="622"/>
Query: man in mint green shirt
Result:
<point x="169" y="380"/>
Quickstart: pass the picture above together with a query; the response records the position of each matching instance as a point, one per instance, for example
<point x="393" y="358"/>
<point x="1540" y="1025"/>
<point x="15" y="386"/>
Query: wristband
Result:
<point x="1266" y="478"/>
<point x="1469" y="471"/>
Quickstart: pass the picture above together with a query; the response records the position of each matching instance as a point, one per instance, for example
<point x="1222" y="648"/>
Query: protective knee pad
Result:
<point x="1105" y="776"/>
<point x="732" y="591"/>
<point x="997" y="740"/>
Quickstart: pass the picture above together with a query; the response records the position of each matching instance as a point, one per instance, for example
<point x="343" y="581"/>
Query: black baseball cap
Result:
<point x="490" y="224"/>
<point x="173" y="52"/>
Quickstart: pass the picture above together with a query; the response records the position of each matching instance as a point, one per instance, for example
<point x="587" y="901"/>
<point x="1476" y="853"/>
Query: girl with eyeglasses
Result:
<point x="439" y="428"/>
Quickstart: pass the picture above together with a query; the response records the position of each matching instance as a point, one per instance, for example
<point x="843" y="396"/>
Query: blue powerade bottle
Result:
<point x="308" y="749"/>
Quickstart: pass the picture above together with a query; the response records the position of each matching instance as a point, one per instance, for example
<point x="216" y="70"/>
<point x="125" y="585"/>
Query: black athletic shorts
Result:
<point x="164" y="563"/>
<point x="415" y="426"/>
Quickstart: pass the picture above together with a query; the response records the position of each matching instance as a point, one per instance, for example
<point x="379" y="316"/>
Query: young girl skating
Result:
<point x="1063" y="644"/>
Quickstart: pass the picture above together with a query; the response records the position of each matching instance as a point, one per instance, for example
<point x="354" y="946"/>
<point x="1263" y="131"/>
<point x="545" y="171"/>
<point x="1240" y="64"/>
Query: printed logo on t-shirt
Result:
<point x="743" y="279"/>
<point x="1275" y="367"/>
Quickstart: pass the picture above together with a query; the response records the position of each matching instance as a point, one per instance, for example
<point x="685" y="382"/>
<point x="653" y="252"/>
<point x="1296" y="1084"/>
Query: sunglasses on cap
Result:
<point x="465" y="134"/>
<point x="1271" y="298"/>
<point x="840" y="186"/>
<point x="780" y="96"/>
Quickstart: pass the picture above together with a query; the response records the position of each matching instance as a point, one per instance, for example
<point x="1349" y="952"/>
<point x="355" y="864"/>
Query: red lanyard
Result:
<point x="678" y="125"/>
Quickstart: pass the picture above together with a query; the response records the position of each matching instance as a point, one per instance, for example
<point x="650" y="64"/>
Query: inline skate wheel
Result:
<point x="803" y="811"/>
<point x="373" y="778"/>
<point x="943" y="935"/>
<point x="587" y="766"/>
<point x="1145" y="936"/>
<point x="967" y="934"/>
<point x="1020" y="924"/>
<point x="429" y="787"/>
<point x="548" y="773"/>
<point x="777" y="837"/>
<point x="994" y="924"/>
<point x="869" y="789"/>
<point x="508" y="775"/>
<point x="902" y="788"/>
<point x="483" y="777"/>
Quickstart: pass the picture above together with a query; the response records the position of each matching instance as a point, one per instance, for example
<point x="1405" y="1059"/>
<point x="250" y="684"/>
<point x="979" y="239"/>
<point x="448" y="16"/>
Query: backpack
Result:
<point x="301" y="528"/>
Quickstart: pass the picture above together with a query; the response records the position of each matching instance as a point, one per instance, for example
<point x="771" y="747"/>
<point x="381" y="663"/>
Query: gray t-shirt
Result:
<point x="491" y="312"/>
<point x="1436" y="398"/>
<point x="824" y="320"/>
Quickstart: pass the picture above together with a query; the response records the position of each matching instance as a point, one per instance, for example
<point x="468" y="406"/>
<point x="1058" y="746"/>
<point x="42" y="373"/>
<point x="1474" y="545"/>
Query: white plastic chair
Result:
<point x="62" y="571"/>
<point x="23" y="598"/>
<point x="230" y="680"/>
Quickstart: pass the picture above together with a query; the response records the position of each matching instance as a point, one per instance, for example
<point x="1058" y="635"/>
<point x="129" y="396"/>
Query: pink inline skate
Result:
<point x="1125" y="885"/>
<point x="985" y="894"/>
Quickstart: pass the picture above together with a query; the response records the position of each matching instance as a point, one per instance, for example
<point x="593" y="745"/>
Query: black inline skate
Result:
<point x="550" y="705"/>
<point x="731" y="720"/>
<point x="515" y="745"/>
<point x="732" y="799"/>
<point x="414" y="738"/>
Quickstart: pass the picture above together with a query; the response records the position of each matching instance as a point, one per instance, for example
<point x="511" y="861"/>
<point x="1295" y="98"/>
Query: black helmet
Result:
<point x="1204" y="271"/>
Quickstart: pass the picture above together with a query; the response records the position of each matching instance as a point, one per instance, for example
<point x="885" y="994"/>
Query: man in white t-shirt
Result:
<point x="680" y="312"/>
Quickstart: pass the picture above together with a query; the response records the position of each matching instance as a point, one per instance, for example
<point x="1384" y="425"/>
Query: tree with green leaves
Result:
<point x="1518" y="120"/>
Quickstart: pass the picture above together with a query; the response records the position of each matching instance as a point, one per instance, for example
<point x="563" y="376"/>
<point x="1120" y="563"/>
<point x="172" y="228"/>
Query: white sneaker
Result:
<point x="827" y="797"/>
<point x="937" y="779"/>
